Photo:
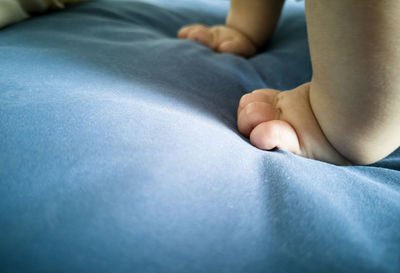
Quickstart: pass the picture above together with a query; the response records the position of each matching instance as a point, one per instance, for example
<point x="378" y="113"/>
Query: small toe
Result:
<point x="201" y="34"/>
<point x="253" y="114"/>
<point x="259" y="95"/>
<point x="275" y="134"/>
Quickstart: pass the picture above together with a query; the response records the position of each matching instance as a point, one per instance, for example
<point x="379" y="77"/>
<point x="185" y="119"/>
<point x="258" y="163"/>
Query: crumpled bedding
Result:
<point x="14" y="11"/>
<point x="119" y="153"/>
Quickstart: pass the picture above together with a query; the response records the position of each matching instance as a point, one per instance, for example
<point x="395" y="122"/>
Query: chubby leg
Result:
<point x="355" y="90"/>
<point x="353" y="100"/>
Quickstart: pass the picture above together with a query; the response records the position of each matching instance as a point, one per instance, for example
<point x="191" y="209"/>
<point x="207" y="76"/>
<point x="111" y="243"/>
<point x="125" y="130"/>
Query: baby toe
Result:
<point x="253" y="114"/>
<point x="201" y="34"/>
<point x="275" y="134"/>
<point x="259" y="95"/>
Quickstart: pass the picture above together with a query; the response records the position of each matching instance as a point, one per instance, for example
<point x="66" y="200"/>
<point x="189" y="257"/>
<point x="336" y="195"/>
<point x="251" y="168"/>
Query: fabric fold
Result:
<point x="14" y="11"/>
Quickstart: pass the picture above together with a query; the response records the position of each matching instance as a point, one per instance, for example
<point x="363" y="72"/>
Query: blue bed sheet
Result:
<point x="119" y="153"/>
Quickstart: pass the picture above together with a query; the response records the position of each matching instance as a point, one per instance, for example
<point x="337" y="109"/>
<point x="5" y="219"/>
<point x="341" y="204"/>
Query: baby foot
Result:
<point x="222" y="39"/>
<point x="285" y="120"/>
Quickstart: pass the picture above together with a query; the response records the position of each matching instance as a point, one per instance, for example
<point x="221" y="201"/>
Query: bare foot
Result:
<point x="285" y="120"/>
<point x="221" y="39"/>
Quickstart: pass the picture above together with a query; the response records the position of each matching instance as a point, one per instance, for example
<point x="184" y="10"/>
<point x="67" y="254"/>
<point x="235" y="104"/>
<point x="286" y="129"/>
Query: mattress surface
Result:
<point x="119" y="152"/>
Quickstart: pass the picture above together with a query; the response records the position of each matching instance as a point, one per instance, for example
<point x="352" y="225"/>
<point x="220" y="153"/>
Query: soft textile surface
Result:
<point x="13" y="11"/>
<point x="119" y="153"/>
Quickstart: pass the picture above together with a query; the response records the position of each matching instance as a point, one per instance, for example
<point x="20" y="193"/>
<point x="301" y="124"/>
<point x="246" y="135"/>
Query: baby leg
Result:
<point x="354" y="94"/>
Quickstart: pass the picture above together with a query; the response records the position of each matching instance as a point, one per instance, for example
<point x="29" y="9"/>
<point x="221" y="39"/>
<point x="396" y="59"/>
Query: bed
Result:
<point x="119" y="152"/>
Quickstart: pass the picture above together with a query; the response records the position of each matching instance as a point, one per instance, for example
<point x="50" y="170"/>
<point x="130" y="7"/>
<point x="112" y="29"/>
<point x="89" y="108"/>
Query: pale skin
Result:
<point x="349" y="113"/>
